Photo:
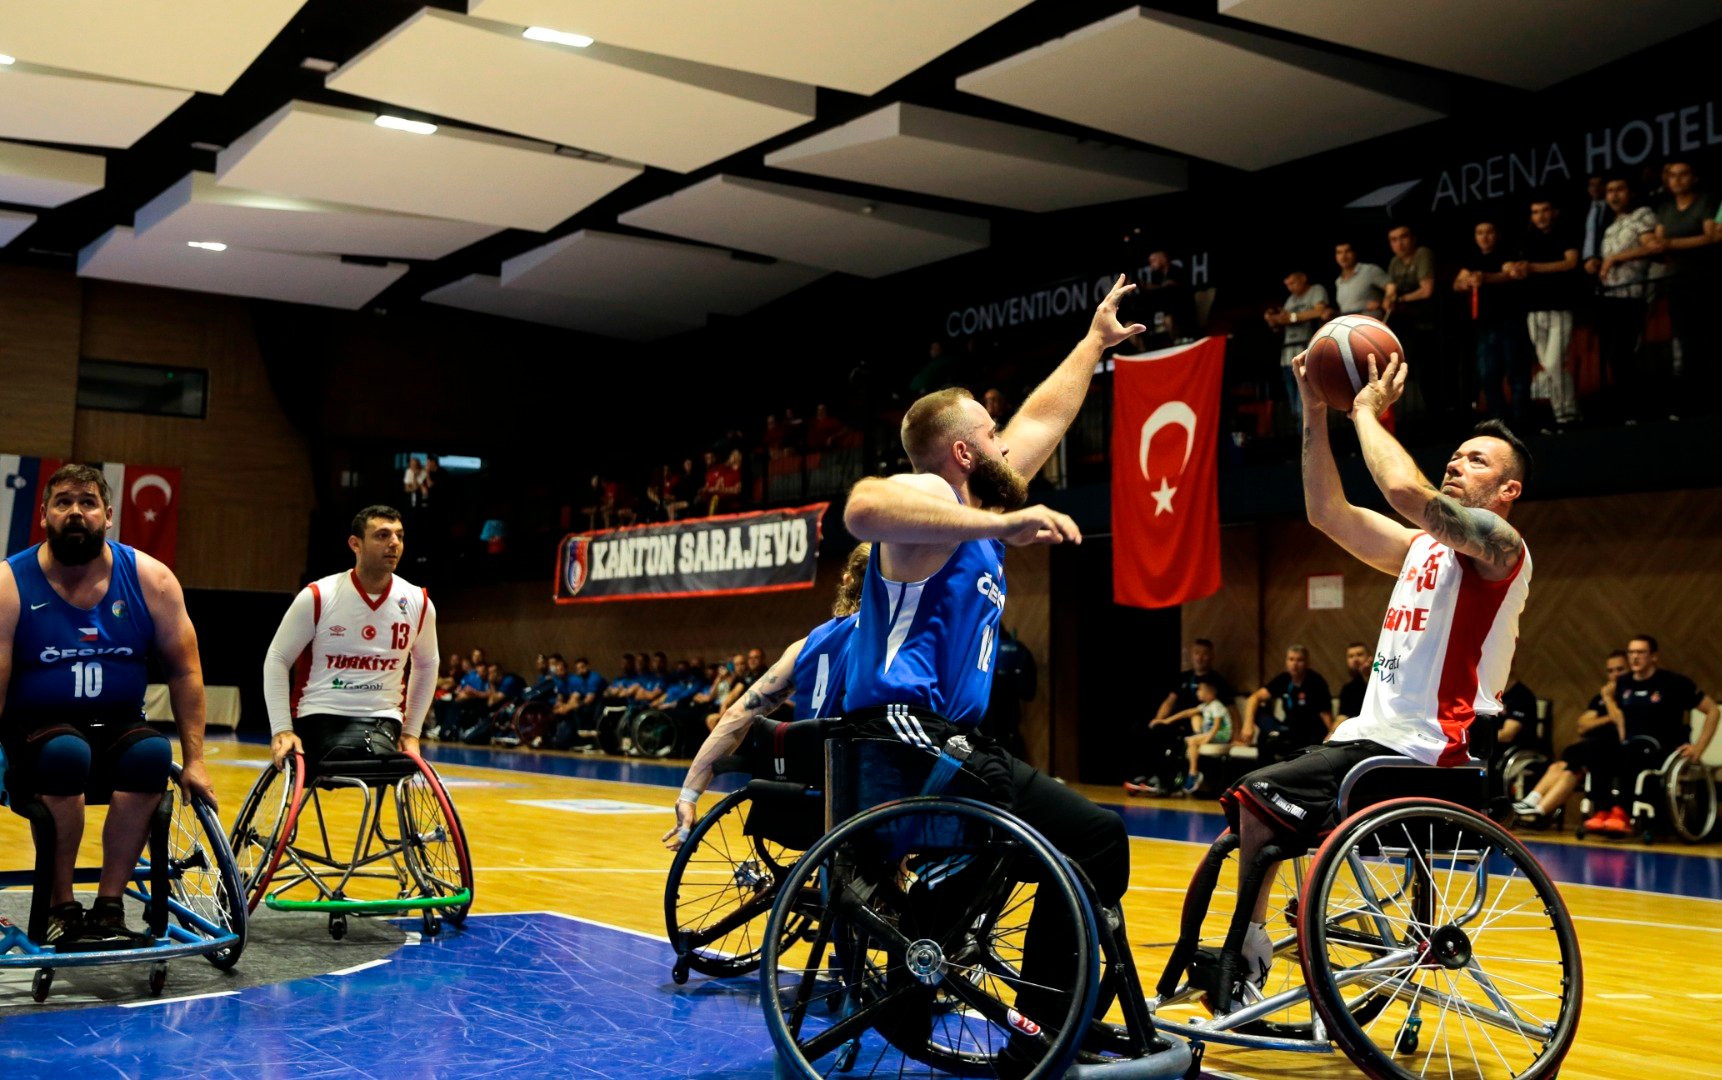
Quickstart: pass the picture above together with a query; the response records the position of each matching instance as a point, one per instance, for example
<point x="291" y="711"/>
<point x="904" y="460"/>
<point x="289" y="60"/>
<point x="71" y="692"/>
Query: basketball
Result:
<point x="1338" y="360"/>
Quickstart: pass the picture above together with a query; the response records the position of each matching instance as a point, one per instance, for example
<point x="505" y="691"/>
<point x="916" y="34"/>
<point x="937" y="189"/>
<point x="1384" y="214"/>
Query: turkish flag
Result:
<point x="1165" y="495"/>
<point x="149" y="510"/>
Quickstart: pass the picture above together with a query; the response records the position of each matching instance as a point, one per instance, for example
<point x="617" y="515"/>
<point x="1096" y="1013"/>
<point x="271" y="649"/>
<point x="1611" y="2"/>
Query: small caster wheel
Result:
<point x="679" y="973"/>
<point x="157" y="978"/>
<point x="1406" y="1043"/>
<point x="338" y="926"/>
<point x="40" y="984"/>
<point x="432" y="923"/>
<point x="846" y="1056"/>
<point x="1194" y="1072"/>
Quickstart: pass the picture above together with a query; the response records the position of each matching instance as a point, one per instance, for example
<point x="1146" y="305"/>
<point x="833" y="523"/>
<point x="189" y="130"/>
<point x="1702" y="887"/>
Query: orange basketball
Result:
<point x="1338" y="360"/>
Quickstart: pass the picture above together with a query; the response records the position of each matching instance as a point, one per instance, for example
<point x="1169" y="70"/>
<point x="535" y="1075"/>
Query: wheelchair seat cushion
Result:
<point x="362" y="747"/>
<point x="1299" y="797"/>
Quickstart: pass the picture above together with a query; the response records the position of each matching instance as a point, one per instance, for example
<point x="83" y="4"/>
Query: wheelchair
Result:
<point x="924" y="895"/>
<point x="1517" y="769"/>
<point x="186" y="879"/>
<point x="1678" y="795"/>
<point x="726" y="875"/>
<point x="1420" y="933"/>
<point x="284" y="836"/>
<point x="635" y="731"/>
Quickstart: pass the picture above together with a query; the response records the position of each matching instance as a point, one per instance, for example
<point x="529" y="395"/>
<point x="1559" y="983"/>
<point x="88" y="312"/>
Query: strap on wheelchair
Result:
<point x="951" y="757"/>
<point x="1196" y="903"/>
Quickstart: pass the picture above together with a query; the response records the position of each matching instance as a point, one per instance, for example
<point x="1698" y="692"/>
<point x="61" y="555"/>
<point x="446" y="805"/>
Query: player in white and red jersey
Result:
<point x="354" y="646"/>
<point x="1447" y="640"/>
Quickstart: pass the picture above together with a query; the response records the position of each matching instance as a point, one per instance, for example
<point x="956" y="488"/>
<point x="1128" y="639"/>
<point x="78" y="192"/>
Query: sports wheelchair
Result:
<point x="1680" y="794"/>
<point x="1518" y="767"/>
<point x="186" y="879"/>
<point x="726" y="875"/>
<point x="282" y="837"/>
<point x="924" y="894"/>
<point x="1418" y="925"/>
<point x="636" y="731"/>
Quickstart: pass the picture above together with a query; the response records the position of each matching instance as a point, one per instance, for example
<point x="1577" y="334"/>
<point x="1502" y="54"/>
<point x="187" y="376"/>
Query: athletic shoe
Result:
<point x="65" y="922"/>
<point x="1141" y="785"/>
<point x="1597" y="822"/>
<point x="1192" y="782"/>
<point x="107" y="919"/>
<point x="1617" y="823"/>
<point x="1258" y="956"/>
<point x="1529" y="806"/>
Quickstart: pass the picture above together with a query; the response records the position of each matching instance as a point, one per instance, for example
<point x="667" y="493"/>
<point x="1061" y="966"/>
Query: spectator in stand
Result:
<point x="621" y="689"/>
<point x="1169" y="310"/>
<point x="417" y="481"/>
<point x="1409" y="302"/>
<point x="580" y="692"/>
<point x="997" y="405"/>
<point x="673" y="489"/>
<point x="1159" y="753"/>
<point x="505" y="686"/>
<point x="1209" y="722"/>
<point x="653" y="510"/>
<point x="772" y="439"/>
<point x="443" y="706"/>
<point x="1598" y="215"/>
<point x="1628" y="244"/>
<point x="1518" y="717"/>
<point x="654" y="681"/>
<point x="1599" y="728"/>
<point x="1685" y="224"/>
<point x="1360" y="286"/>
<point x="1304" y="309"/>
<point x="731" y="681"/>
<point x="939" y="371"/>
<point x="706" y="498"/>
<point x="1548" y="270"/>
<point x="825" y="431"/>
<point x="1497" y="312"/>
<point x="1300" y="713"/>
<point x="726" y="491"/>
<point x="471" y="697"/>
<point x="1357" y="661"/>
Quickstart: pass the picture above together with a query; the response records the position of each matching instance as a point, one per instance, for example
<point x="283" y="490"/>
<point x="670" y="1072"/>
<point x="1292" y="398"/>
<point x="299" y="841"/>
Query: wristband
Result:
<point x="683" y="834"/>
<point x="688" y="795"/>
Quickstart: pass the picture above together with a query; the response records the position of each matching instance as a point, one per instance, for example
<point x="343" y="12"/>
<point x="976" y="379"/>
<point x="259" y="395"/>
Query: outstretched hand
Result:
<point x="1038" y="525"/>
<point x="1106" y="326"/>
<point x="1384" y="387"/>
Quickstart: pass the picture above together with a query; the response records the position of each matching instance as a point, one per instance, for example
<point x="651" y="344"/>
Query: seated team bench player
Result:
<point x="79" y="615"/>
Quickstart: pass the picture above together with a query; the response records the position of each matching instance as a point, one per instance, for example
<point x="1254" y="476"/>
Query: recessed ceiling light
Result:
<point x="317" y="63"/>
<point x="206" y="245"/>
<point x="4" y="59"/>
<point x="417" y="127"/>
<point x="556" y="37"/>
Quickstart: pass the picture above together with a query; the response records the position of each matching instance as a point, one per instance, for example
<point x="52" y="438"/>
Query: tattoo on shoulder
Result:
<point x="1479" y="533"/>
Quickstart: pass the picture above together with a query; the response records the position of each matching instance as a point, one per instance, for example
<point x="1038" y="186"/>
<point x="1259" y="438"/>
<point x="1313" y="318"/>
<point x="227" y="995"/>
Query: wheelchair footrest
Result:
<point x="277" y="903"/>
<point x="1171" y="1061"/>
<point x="116" y="943"/>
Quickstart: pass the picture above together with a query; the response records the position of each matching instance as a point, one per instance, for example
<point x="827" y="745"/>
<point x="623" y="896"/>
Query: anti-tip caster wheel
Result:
<point x="338" y="926"/>
<point x="432" y="923"/>
<point x="40" y="984"/>
<point x="679" y="973"/>
<point x="157" y="978"/>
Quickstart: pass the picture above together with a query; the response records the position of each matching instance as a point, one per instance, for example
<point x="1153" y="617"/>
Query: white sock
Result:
<point x="1535" y="799"/>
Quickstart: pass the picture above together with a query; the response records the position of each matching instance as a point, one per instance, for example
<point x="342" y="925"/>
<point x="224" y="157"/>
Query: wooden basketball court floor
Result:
<point x="564" y="970"/>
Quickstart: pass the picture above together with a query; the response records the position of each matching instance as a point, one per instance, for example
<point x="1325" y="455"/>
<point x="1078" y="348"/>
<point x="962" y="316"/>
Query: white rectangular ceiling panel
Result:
<point x="1526" y="43"/>
<point x="963" y="157"/>
<point x="121" y="255"/>
<point x="861" y="46"/>
<point x="38" y="176"/>
<point x="56" y="106"/>
<point x="670" y="113"/>
<point x="837" y="232"/>
<point x="192" y="44"/>
<point x="13" y="224"/>
<point x="486" y="294"/>
<point x="341" y="155"/>
<point x="643" y="273"/>
<point x="1210" y="91"/>
<point x="197" y="208"/>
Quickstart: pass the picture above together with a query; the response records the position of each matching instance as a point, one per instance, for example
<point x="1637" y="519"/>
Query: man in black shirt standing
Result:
<point x="1599" y="728"/>
<point x="1162" y="750"/>
<point x="1299" y="710"/>
<point x="1357" y="661"/>
<point x="1496" y="304"/>
<point x="1656" y="706"/>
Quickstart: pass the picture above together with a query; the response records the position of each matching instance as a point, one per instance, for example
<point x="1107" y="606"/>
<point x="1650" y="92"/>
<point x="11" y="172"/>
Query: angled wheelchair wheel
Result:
<point x="721" y="888"/>
<point x="1691" y="799"/>
<point x="265" y="826"/>
<point x="917" y="965"/>
<point x="433" y="843"/>
<point x="206" y="895"/>
<point x="1443" y="915"/>
<point x="654" y="734"/>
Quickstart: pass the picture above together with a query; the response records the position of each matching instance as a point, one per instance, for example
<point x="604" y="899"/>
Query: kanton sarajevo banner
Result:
<point x="145" y="504"/>
<point x="729" y="555"/>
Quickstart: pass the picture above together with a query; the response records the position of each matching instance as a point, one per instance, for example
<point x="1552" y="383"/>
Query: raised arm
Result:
<point x="1372" y="538"/>
<point x="918" y="521"/>
<point x="176" y="645"/>
<point x="1034" y="432"/>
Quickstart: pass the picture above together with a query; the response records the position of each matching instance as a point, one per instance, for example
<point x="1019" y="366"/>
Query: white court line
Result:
<point x="659" y="938"/>
<point x="1705" y="997"/>
<point x="356" y="968"/>
<point x="1622" y="997"/>
<point x="1645" y="923"/>
<point x="172" y="1000"/>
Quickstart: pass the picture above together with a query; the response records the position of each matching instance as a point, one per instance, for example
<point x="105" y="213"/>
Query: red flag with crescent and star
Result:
<point x="149" y="510"/>
<point x="1165" y="487"/>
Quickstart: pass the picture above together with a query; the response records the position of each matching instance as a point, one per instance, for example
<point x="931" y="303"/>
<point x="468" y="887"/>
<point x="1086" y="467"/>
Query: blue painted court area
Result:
<point x="527" y="995"/>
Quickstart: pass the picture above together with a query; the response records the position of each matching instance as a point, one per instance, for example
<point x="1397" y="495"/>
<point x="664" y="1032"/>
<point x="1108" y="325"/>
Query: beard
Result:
<point x="997" y="486"/>
<point x="75" y="545"/>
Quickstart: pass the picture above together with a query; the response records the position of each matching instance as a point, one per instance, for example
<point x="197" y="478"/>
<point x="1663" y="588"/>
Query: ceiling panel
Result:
<point x="193" y="44"/>
<point x="38" y="176"/>
<point x="963" y="157"/>
<point x="836" y="232"/>
<point x="122" y="255"/>
<point x="1529" y="43"/>
<point x="341" y="155"/>
<point x="857" y="45"/>
<point x="1210" y="91"/>
<point x="645" y="273"/>
<point x="57" y="106"/>
<point x="197" y="208"/>
<point x="670" y="113"/>
<point x="12" y="224"/>
<point x="486" y="294"/>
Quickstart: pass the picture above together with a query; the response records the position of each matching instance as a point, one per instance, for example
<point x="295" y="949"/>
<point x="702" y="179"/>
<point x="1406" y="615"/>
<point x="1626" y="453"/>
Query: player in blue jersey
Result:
<point x="921" y="665"/>
<point x="811" y="670"/>
<point x="79" y="615"/>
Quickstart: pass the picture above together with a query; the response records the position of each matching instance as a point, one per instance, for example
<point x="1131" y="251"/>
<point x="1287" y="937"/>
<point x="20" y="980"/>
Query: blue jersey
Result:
<point x="818" y="674"/>
<point x="930" y="643"/>
<point x="75" y="662"/>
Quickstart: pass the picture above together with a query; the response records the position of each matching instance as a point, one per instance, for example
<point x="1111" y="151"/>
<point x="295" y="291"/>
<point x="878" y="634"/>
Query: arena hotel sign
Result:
<point x="728" y="555"/>
<point x="1071" y="296"/>
<point x="1624" y="147"/>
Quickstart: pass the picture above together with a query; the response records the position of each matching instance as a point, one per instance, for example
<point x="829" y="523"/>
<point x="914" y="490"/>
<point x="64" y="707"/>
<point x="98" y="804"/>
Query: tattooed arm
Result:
<point x="767" y="693"/>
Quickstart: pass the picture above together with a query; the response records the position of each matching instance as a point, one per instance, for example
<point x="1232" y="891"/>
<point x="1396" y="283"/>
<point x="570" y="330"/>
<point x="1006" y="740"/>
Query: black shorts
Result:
<point x="1591" y="748"/>
<point x="1299" y="796"/>
<point x="108" y="736"/>
<point x="329" y="739"/>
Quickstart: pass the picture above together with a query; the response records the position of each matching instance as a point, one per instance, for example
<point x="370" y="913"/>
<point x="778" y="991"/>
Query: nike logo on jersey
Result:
<point x="38" y="607"/>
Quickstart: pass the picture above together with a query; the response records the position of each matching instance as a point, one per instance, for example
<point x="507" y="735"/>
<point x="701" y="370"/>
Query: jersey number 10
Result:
<point x="86" y="679"/>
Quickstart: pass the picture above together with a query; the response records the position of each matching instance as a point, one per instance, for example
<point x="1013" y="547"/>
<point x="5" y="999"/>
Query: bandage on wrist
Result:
<point x="688" y="795"/>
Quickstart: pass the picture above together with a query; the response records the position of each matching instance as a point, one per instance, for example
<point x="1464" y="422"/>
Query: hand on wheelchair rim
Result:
<point x="194" y="779"/>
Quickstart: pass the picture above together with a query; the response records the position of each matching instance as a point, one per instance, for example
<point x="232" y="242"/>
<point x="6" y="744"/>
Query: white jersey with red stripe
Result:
<point x="356" y="661"/>
<point x="1445" y="653"/>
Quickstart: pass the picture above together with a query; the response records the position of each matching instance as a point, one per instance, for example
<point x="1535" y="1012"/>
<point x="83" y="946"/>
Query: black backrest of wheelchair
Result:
<point x="862" y="773"/>
<point x="1378" y="779"/>
<point x="372" y="769"/>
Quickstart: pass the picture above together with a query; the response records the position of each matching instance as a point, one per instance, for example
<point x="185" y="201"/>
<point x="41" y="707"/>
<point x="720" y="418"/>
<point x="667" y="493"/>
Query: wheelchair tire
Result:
<point x="720" y="891"/>
<point x="437" y="856"/>
<point x="1454" y="876"/>
<point x="612" y="726"/>
<point x="265" y="826"/>
<point x="1691" y="790"/>
<point x="654" y="734"/>
<point x="205" y="878"/>
<point x="1521" y="771"/>
<point x="911" y="976"/>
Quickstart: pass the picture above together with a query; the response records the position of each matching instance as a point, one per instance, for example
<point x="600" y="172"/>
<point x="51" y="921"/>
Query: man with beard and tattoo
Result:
<point x="78" y="617"/>
<point x="1452" y="623"/>
<point x="921" y="664"/>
